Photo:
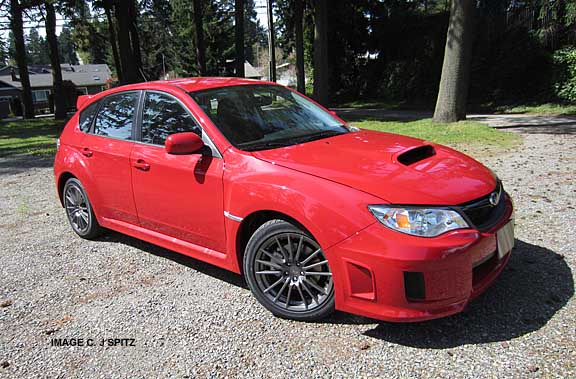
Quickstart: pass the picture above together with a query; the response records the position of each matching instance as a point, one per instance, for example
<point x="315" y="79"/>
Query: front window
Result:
<point x="163" y="115"/>
<point x="259" y="117"/>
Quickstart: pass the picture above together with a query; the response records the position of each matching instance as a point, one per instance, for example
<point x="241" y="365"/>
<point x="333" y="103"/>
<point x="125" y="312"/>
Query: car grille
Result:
<point x="482" y="214"/>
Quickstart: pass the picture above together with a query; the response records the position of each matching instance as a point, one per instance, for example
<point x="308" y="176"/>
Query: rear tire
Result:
<point x="79" y="210"/>
<point x="288" y="272"/>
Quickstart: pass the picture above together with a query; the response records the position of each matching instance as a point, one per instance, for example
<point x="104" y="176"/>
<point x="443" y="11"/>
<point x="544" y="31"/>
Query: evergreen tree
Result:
<point x="36" y="49"/>
<point x="66" y="46"/>
<point x="4" y="54"/>
<point x="156" y="29"/>
<point x="254" y="32"/>
<point x="11" y="49"/>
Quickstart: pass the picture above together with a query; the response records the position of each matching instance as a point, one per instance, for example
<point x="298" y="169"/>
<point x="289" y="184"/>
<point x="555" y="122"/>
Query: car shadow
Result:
<point x="205" y="268"/>
<point x="536" y="284"/>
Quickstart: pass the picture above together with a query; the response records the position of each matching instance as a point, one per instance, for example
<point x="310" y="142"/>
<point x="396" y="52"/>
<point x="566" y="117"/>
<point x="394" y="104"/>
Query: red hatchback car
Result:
<point x="316" y="214"/>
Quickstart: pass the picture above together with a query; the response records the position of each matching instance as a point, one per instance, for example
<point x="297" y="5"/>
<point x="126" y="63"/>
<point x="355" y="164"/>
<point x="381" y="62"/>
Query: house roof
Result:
<point x="80" y="75"/>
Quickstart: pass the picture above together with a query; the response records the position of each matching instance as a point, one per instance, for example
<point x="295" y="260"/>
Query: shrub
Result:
<point x="565" y="74"/>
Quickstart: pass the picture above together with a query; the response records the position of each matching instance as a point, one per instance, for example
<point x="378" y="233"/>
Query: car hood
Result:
<point x="397" y="169"/>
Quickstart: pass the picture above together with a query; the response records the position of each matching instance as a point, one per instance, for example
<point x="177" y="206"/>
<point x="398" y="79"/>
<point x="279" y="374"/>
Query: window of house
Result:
<point x="40" y="96"/>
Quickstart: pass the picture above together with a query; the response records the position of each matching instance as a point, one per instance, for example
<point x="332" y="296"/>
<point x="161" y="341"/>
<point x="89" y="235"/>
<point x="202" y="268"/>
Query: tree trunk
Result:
<point x="113" y="43"/>
<point x="321" y="73"/>
<point x="134" y="39"/>
<point x="20" y="50"/>
<point x="239" y="28"/>
<point x="453" y="92"/>
<point x="299" y="34"/>
<point x="200" y="44"/>
<point x="58" y="96"/>
<point x="130" y="72"/>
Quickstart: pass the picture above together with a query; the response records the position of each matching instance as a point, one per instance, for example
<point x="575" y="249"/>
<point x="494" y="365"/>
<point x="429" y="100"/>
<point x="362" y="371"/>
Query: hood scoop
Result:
<point x="417" y="154"/>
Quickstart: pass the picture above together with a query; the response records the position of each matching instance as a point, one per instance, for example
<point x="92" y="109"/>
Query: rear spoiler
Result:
<point x="81" y="100"/>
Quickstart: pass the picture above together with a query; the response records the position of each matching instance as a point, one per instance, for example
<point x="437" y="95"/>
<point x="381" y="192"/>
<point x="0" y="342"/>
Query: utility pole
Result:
<point x="271" y="42"/>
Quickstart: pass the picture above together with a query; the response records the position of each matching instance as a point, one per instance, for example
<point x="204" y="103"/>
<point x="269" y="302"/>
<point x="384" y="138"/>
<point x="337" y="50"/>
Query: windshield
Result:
<point x="259" y="117"/>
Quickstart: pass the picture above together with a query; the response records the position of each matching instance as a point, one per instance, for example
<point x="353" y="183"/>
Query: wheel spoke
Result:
<point x="281" y="289"/>
<point x="274" y="258"/>
<point x="318" y="273"/>
<point x="316" y="286"/>
<point x="282" y="251"/>
<point x="311" y="256"/>
<point x="69" y="198"/>
<point x="267" y="272"/>
<point x="315" y="265"/>
<point x="302" y="296"/>
<point x="309" y="292"/>
<point x="78" y="221"/>
<point x="288" y="297"/>
<point x="269" y="264"/>
<point x="84" y="216"/>
<point x="273" y="285"/>
<point x="75" y="195"/>
<point x="290" y="254"/>
<point x="299" y="249"/>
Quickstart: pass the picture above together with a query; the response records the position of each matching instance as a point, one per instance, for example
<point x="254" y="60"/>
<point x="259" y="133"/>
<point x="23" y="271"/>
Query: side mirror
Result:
<point x="183" y="143"/>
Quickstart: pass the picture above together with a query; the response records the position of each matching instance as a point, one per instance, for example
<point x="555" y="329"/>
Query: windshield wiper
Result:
<point x="319" y="135"/>
<point x="264" y="145"/>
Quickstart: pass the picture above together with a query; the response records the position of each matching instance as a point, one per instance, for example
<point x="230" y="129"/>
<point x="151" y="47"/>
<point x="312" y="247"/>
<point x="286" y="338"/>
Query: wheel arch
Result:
<point x="62" y="179"/>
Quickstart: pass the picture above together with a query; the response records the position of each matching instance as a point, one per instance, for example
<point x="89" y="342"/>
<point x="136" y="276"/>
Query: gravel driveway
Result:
<point x="189" y="319"/>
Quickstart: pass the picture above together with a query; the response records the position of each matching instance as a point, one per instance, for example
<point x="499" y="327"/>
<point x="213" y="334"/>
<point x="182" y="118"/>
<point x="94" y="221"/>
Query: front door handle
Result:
<point x="141" y="164"/>
<point x="87" y="152"/>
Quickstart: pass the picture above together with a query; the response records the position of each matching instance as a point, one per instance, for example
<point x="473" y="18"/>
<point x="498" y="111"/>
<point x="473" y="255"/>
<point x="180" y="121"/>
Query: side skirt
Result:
<point x="186" y="248"/>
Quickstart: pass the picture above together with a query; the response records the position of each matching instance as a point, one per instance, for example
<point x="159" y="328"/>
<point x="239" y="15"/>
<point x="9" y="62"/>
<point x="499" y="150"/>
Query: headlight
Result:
<point x="423" y="222"/>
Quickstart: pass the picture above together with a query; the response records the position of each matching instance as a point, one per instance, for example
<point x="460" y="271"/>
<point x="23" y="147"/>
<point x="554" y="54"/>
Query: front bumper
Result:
<point x="386" y="275"/>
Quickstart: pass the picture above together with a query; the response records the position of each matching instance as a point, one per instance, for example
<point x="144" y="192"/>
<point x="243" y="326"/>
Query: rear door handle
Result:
<point x="87" y="152"/>
<point x="141" y="164"/>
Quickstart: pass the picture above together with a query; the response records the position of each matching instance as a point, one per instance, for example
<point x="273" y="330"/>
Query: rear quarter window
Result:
<point x="87" y="117"/>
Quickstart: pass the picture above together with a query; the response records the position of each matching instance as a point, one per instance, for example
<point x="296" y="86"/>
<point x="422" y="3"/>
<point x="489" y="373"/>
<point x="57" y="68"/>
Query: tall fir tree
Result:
<point x="37" y="48"/>
<point x="66" y="46"/>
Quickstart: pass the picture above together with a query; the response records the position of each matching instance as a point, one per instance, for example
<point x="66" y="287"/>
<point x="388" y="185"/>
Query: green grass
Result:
<point x="370" y="104"/>
<point x="29" y="137"/>
<point x="460" y="135"/>
<point x="544" y="109"/>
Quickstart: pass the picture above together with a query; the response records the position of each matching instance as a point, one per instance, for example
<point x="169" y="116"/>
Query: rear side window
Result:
<point x="116" y="116"/>
<point x="87" y="116"/>
<point x="164" y="115"/>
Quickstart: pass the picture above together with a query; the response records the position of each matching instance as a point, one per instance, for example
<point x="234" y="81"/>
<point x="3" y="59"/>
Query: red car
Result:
<point x="316" y="214"/>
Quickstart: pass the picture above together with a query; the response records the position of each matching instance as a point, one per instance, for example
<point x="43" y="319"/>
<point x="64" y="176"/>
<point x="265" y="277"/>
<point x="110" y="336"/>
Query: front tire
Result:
<point x="288" y="272"/>
<point x="79" y="210"/>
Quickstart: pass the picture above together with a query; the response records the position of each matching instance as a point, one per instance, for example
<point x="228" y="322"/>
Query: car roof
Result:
<point x="202" y="83"/>
<point x="193" y="84"/>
